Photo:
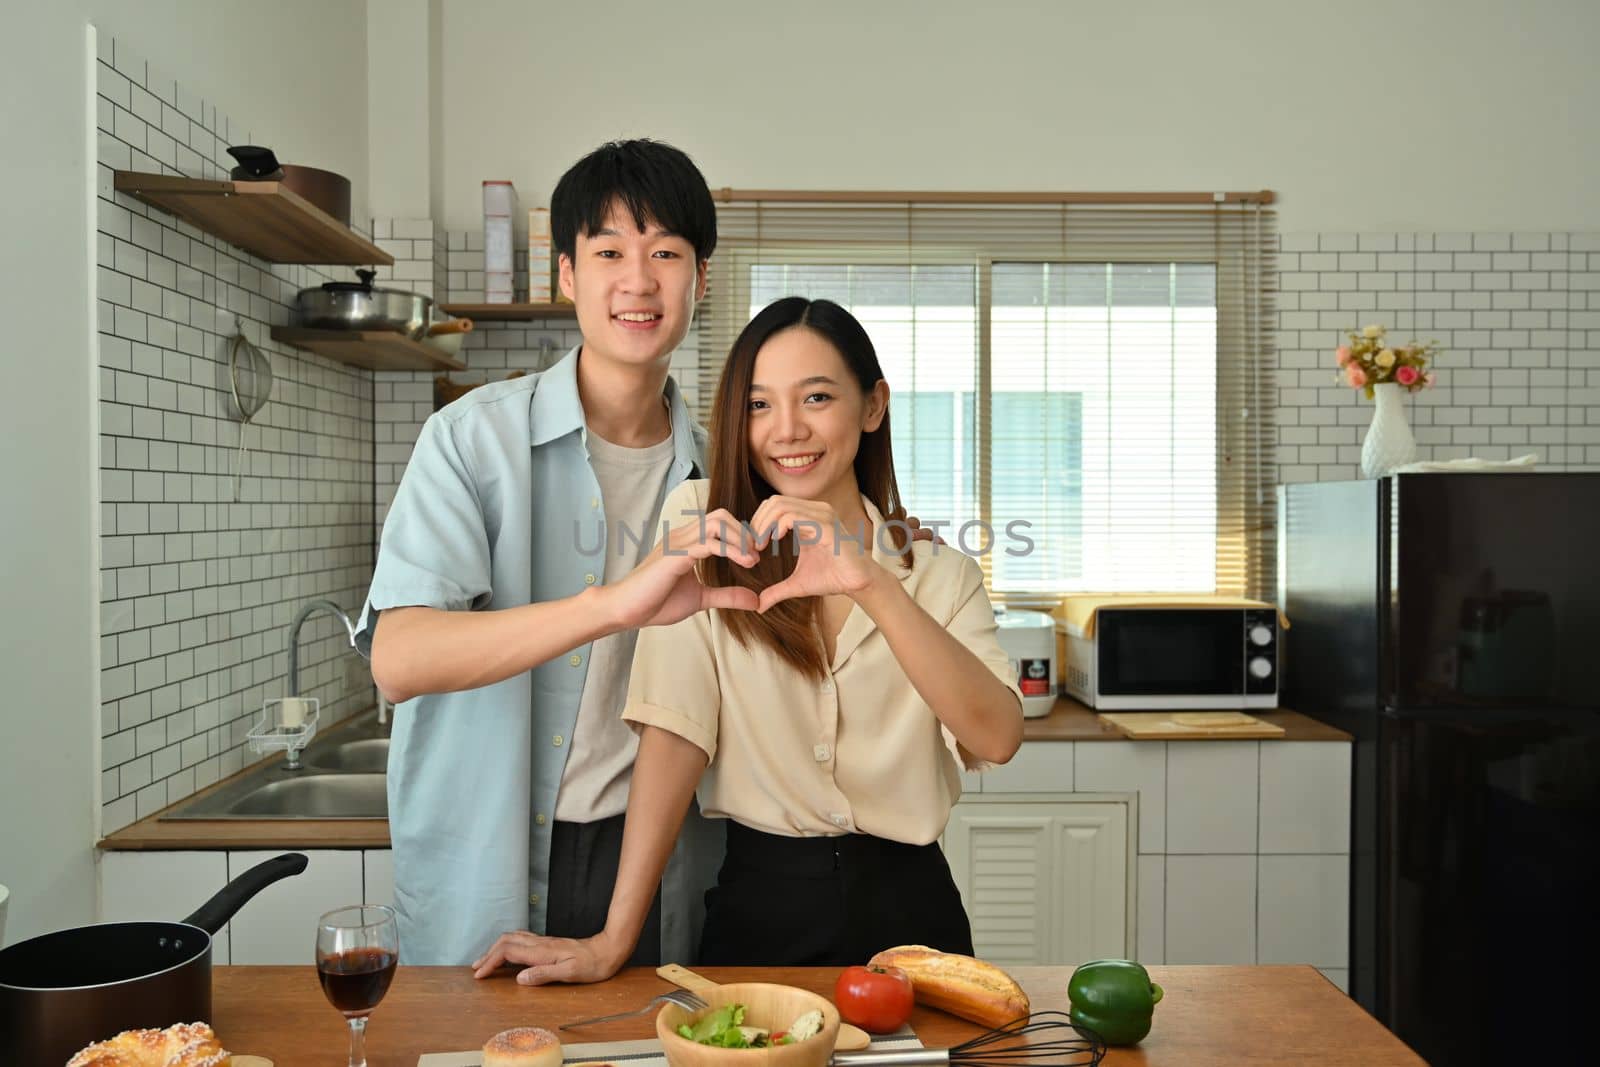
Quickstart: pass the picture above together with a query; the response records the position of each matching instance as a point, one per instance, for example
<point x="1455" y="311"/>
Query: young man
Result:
<point x="507" y="635"/>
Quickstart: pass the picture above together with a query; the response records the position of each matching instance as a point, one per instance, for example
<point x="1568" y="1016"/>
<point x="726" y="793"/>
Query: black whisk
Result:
<point x="1043" y="1039"/>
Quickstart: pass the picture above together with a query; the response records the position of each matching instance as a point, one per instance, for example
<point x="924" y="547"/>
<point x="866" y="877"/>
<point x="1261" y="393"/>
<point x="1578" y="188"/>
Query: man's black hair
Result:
<point x="653" y="181"/>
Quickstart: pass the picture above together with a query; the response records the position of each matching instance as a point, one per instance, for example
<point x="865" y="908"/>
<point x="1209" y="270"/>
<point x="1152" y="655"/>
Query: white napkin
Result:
<point x="1470" y="465"/>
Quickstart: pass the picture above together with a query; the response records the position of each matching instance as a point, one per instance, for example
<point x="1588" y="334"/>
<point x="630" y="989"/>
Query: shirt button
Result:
<point x="827" y="687"/>
<point x="533" y="898"/>
<point x="821" y="753"/>
<point x="539" y="819"/>
<point x="841" y="821"/>
<point x="556" y="741"/>
<point x="574" y="659"/>
<point x="588" y="579"/>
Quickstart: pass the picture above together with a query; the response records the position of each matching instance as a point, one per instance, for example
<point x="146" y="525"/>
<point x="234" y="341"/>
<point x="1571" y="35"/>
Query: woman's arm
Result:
<point x="966" y="696"/>
<point x="664" y="778"/>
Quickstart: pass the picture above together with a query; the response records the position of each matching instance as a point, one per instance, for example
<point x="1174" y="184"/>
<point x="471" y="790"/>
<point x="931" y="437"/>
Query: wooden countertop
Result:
<point x="1072" y="721"/>
<point x="1209" y="1017"/>
<point x="1067" y="721"/>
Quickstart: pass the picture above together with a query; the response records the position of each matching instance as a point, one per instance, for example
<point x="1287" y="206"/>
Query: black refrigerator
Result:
<point x="1450" y="622"/>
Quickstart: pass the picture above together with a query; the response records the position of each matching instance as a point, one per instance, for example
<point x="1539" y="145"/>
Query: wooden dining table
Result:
<point x="1208" y="1016"/>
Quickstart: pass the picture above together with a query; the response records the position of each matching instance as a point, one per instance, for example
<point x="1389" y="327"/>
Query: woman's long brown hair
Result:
<point x="789" y="628"/>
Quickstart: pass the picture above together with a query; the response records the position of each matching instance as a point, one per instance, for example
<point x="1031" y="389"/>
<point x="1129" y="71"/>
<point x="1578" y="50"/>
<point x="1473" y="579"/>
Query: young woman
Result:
<point x="830" y="727"/>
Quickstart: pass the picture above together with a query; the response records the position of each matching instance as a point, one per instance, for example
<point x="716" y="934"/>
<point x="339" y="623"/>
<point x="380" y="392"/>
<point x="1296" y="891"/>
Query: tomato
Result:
<point x="877" y="999"/>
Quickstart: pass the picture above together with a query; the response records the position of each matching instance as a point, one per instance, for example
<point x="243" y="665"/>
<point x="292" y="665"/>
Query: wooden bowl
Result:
<point x="771" y="1007"/>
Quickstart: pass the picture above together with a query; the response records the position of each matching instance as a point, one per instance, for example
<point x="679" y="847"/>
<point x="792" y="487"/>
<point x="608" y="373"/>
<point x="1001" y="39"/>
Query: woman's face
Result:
<point x="807" y="415"/>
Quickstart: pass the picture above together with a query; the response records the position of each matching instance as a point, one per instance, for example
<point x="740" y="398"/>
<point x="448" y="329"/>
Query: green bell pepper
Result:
<point x="1115" y="999"/>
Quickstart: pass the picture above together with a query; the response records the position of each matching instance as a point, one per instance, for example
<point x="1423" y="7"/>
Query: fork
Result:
<point x="681" y="997"/>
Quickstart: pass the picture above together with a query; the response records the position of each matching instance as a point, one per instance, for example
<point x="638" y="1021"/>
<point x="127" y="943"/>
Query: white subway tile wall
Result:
<point x="1517" y="316"/>
<point x="197" y="586"/>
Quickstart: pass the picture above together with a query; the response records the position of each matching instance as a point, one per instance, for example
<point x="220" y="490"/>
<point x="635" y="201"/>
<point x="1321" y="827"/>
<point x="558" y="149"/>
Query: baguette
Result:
<point x="970" y="988"/>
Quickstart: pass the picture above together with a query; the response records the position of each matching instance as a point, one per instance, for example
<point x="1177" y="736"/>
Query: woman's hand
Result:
<point x="830" y="558"/>
<point x="552" y="959"/>
<point x="665" y="587"/>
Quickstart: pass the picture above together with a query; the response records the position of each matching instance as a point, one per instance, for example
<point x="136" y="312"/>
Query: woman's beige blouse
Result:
<point x="859" y="752"/>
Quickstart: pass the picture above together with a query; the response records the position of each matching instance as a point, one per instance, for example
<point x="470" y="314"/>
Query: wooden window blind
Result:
<point x="1098" y="371"/>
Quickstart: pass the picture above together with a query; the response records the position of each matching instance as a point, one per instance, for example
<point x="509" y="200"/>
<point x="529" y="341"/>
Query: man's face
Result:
<point x="634" y="290"/>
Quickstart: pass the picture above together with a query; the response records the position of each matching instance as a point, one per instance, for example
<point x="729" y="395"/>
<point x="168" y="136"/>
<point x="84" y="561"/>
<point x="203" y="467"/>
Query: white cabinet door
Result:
<point x="280" y="924"/>
<point x="162" y="887"/>
<point x="1044" y="881"/>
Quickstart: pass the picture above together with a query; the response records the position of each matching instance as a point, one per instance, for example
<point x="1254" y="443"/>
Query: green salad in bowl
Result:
<point x="724" y="1028"/>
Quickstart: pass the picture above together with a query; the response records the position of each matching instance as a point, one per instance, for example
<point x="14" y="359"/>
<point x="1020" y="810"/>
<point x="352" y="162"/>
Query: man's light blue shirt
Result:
<point x="487" y="517"/>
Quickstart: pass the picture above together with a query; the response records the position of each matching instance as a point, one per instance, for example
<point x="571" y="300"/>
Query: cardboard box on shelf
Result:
<point x="540" y="281"/>
<point x="503" y="235"/>
<point x="499" y="287"/>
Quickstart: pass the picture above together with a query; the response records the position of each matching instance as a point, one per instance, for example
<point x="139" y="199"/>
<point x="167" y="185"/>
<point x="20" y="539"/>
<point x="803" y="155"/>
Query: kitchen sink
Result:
<point x="318" y="796"/>
<point x="342" y="778"/>
<point x="367" y="756"/>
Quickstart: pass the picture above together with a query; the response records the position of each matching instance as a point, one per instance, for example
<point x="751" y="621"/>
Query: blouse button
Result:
<point x="556" y="740"/>
<point x="827" y="687"/>
<point x="821" y="753"/>
<point x="574" y="659"/>
<point x="841" y="821"/>
<point x="588" y="579"/>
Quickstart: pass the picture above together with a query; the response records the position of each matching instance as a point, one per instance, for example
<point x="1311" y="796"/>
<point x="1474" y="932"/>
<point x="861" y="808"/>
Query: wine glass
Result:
<point x="357" y="950"/>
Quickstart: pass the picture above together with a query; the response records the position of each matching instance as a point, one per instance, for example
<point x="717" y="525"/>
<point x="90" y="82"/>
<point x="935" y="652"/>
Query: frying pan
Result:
<point x="62" y="991"/>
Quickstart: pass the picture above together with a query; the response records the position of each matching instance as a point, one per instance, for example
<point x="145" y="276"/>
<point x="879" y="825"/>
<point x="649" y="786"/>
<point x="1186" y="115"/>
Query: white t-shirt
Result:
<point x="632" y="484"/>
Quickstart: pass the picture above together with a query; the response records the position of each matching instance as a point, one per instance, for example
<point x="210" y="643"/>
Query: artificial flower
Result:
<point x="1367" y="360"/>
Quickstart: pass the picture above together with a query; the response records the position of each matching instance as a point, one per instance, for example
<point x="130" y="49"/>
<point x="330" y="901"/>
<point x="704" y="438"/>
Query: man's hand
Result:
<point x="552" y="959"/>
<point x="920" y="532"/>
<point x="666" y="588"/>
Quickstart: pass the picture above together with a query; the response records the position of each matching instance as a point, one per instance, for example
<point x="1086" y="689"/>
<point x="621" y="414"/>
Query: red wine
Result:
<point x="355" y="981"/>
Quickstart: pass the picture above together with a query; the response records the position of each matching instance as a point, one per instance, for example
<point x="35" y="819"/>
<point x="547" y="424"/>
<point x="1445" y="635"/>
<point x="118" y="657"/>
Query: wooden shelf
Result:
<point x="372" y="349"/>
<point x="510" y="312"/>
<point x="265" y="219"/>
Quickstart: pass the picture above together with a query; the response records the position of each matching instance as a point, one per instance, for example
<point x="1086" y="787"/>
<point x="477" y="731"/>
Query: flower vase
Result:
<point x="1389" y="443"/>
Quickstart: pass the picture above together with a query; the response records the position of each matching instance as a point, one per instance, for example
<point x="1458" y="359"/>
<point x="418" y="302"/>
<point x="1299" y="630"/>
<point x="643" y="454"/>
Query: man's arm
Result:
<point x="664" y="778"/>
<point x="418" y="650"/>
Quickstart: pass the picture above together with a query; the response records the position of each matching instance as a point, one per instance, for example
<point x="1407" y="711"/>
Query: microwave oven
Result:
<point x="1156" y="658"/>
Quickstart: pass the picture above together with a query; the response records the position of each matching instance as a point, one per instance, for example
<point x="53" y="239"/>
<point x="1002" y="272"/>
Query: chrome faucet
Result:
<point x="292" y="761"/>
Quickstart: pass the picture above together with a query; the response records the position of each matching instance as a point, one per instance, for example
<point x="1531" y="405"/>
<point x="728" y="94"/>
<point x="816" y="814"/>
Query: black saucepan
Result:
<point x="62" y="991"/>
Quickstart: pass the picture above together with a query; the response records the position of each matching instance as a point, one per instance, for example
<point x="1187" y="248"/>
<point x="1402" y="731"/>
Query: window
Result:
<point x="1086" y="410"/>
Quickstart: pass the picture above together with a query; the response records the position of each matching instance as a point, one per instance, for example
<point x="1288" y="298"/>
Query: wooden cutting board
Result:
<point x="631" y="1053"/>
<point x="1186" y="725"/>
<point x="640" y="1053"/>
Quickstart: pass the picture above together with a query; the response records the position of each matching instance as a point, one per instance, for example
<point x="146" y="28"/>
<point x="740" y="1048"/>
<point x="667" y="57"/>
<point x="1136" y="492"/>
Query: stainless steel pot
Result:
<point x="362" y="306"/>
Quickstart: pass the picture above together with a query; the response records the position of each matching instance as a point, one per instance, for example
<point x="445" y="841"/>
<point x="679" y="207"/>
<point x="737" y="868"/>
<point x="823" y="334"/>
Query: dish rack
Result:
<point x="270" y="732"/>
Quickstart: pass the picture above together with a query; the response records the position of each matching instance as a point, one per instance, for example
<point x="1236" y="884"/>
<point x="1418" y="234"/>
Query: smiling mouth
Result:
<point x="637" y="318"/>
<point x="794" y="464"/>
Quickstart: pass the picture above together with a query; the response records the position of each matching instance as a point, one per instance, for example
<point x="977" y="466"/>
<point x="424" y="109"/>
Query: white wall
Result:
<point x="399" y="110"/>
<point x="298" y="67"/>
<point x="1363" y="114"/>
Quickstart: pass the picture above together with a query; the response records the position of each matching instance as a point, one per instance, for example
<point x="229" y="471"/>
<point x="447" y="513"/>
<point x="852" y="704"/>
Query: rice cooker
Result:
<point x="1029" y="639"/>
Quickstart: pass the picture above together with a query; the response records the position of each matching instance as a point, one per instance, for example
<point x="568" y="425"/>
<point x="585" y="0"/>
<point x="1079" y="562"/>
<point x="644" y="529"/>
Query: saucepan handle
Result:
<point x="214" y="914"/>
